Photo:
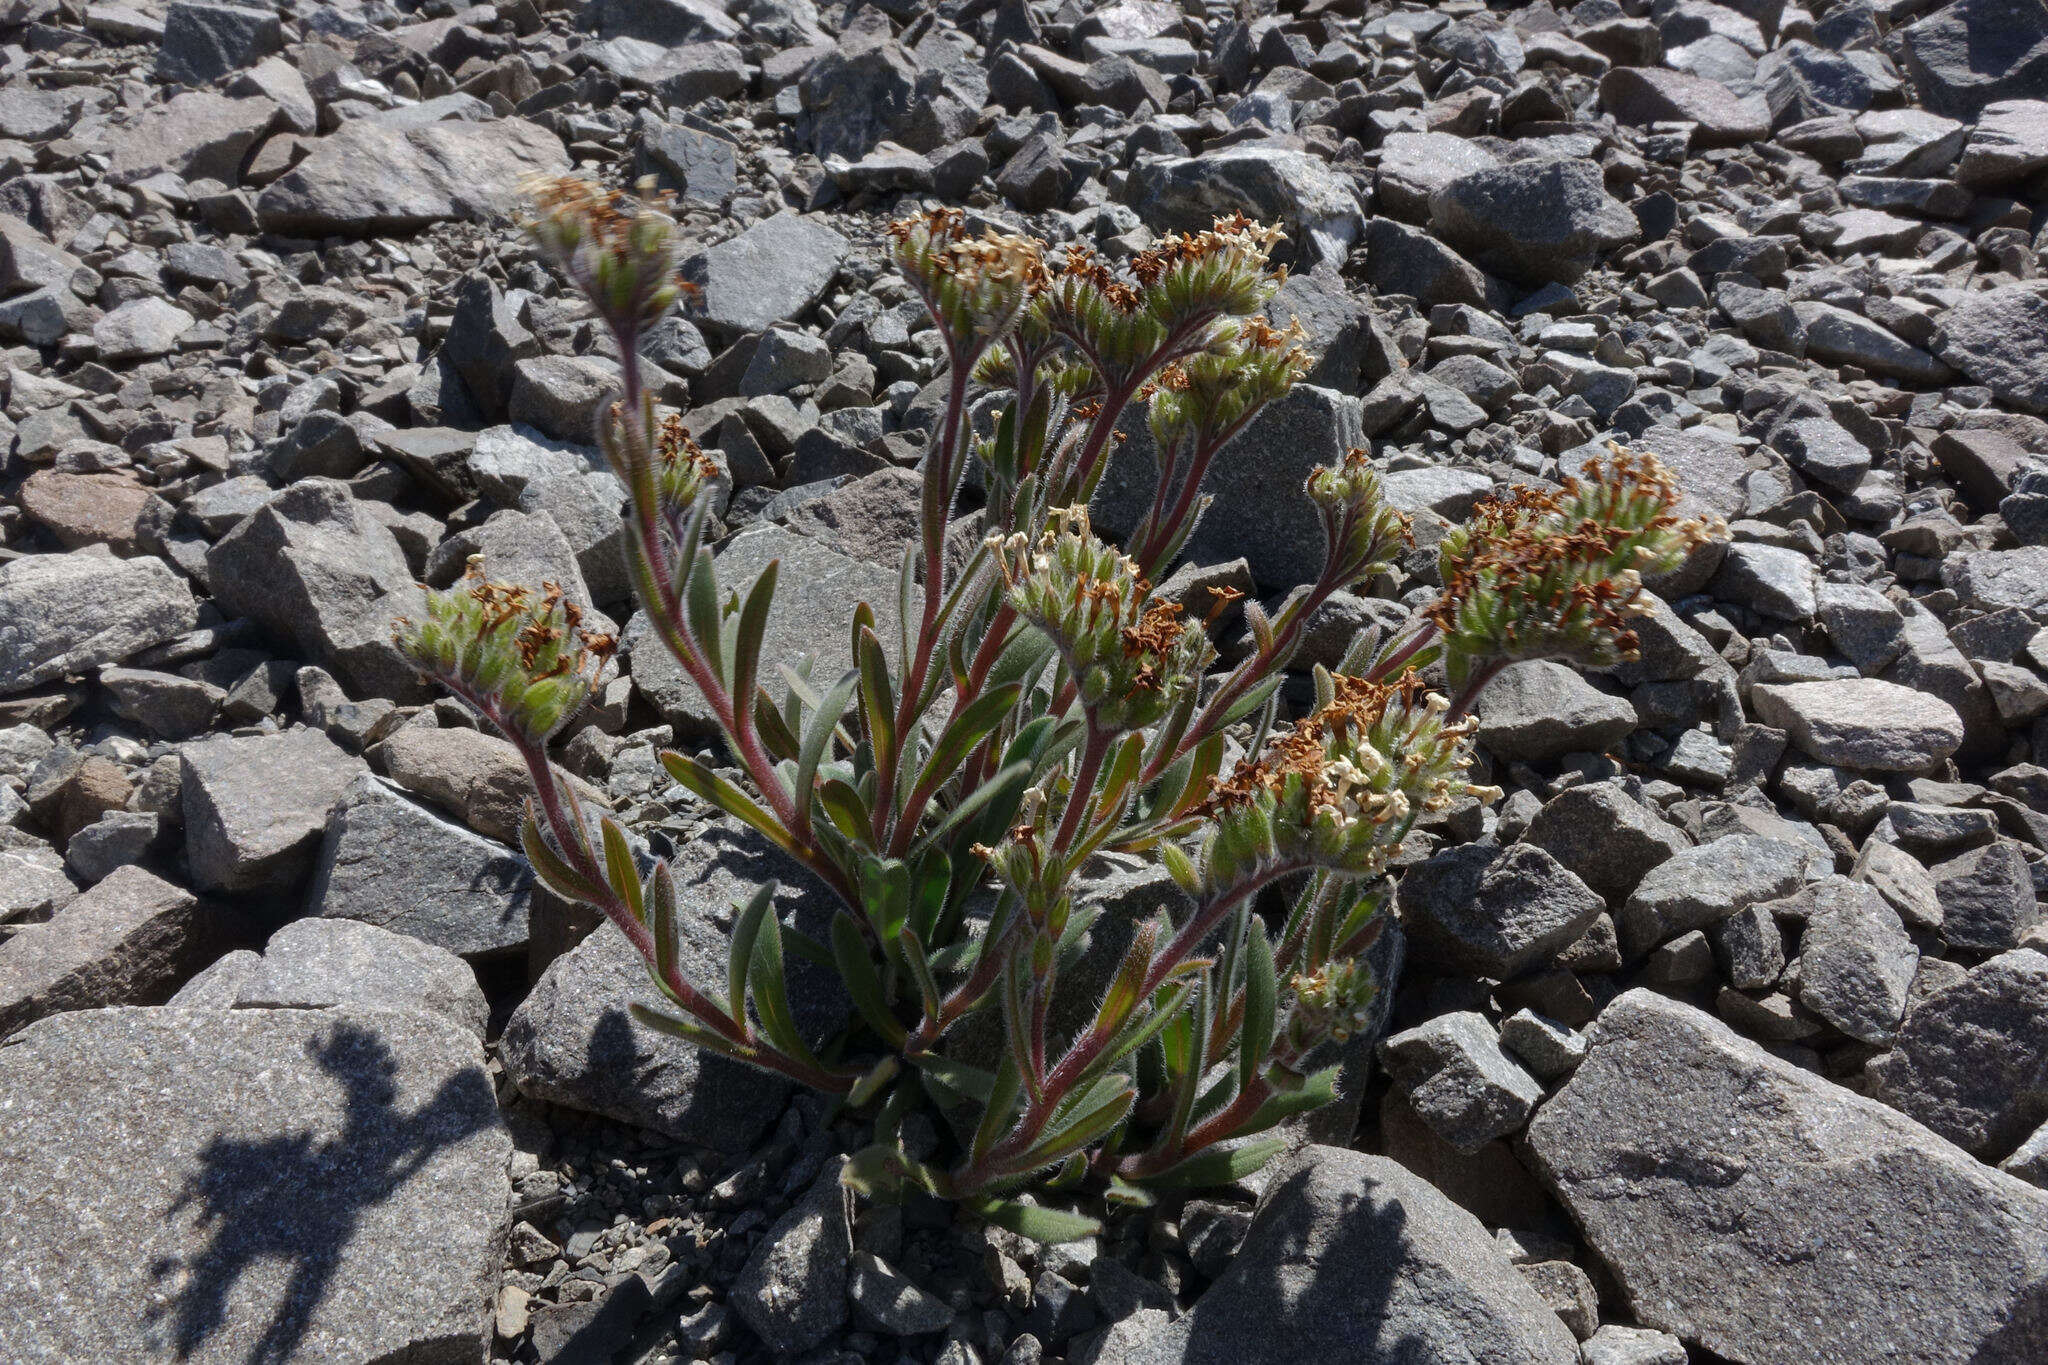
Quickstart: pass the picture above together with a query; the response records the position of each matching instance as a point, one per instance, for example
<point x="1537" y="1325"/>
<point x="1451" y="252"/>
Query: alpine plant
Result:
<point x="1041" y="706"/>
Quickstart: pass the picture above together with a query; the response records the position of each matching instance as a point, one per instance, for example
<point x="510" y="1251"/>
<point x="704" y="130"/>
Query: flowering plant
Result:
<point x="1040" y="705"/>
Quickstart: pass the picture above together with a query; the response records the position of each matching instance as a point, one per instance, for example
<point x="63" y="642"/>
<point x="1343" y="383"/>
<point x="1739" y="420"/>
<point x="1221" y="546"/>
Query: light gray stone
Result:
<point x="67" y="614"/>
<point x="371" y="178"/>
<point x="1703" y="885"/>
<point x="284" y="1185"/>
<point x="1862" y="723"/>
<point x="130" y="940"/>
<point x="1771" y="1216"/>
<point x="325" y="963"/>
<point x="256" y="806"/>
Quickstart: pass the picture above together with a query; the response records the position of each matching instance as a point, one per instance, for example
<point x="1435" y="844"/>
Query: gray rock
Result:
<point x="1259" y="512"/>
<point x="1541" y="710"/>
<point x="1862" y="723"/>
<point x="1408" y="260"/>
<point x="202" y="43"/>
<point x="1491" y="912"/>
<point x="1413" y="166"/>
<point x="197" y="136"/>
<point x="1767" y="1215"/>
<point x="1604" y="836"/>
<point x="130" y="940"/>
<point x="388" y="862"/>
<point x="792" y="1290"/>
<point x="1987" y="898"/>
<point x="884" y="1300"/>
<point x="2009" y="143"/>
<point x="1352" y="1258"/>
<point x="1995" y="580"/>
<point x="702" y="169"/>
<point x="1642" y="95"/>
<point x="33" y="883"/>
<point x="67" y="614"/>
<point x="317" y="570"/>
<point x="141" y="329"/>
<point x="1856" y="962"/>
<point x="165" y="704"/>
<point x="1537" y="221"/>
<point x="1314" y="204"/>
<point x="1841" y="337"/>
<point x="1459" y="1081"/>
<point x="1972" y="1060"/>
<point x="574" y="1041"/>
<point x="1615" y="1344"/>
<point x="772" y="272"/>
<point x="263" y="1184"/>
<point x="1771" y="579"/>
<point x="1974" y="52"/>
<point x="478" y="778"/>
<point x="255" y="807"/>
<point x="667" y="23"/>
<point x="1701" y="886"/>
<point x="325" y="963"/>
<point x="1999" y="338"/>
<point x="368" y="178"/>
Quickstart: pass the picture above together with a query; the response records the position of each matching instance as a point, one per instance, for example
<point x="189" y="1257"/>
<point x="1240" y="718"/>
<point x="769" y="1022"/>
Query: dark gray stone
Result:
<point x="574" y="1041"/>
<point x="1491" y="912"/>
<point x="770" y="273"/>
<point x="1700" y="886"/>
<point x="388" y="862"/>
<point x="1541" y="710"/>
<point x="1537" y="221"/>
<point x="1971" y="1061"/>
<point x="202" y="43"/>
<point x="1352" y="1258"/>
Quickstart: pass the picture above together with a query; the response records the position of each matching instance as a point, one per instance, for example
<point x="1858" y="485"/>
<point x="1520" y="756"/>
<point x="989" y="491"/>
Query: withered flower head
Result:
<point x="1130" y="654"/>
<point x="1557" y="573"/>
<point x="619" y="249"/>
<point x="1338" y="790"/>
<point x="522" y="659"/>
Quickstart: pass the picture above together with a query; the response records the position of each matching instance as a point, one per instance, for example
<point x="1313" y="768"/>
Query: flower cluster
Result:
<point x="1557" y="573"/>
<point x="1340" y="789"/>
<point x="620" y="250"/>
<point x="1333" y="1002"/>
<point x="1364" y="529"/>
<point x="523" y="659"/>
<point x="974" y="287"/>
<point x="1129" y="653"/>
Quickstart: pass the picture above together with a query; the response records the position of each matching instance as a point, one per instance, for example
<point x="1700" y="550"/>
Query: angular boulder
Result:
<point x="282" y="1185"/>
<point x="369" y="178"/>
<point x="399" y="866"/>
<point x="1352" y="1258"/>
<point x="71" y="613"/>
<point x="256" y="806"/>
<point x="319" y="571"/>
<point x="574" y="1040"/>
<point x="1774" y="1218"/>
<point x="130" y="940"/>
<point x="1535" y="221"/>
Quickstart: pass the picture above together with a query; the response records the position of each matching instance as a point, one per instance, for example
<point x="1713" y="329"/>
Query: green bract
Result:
<point x="1041" y="708"/>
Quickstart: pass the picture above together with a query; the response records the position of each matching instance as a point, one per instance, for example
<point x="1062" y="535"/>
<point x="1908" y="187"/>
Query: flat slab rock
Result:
<point x="1352" y="1258"/>
<point x="1773" y="1217"/>
<point x="370" y="178"/>
<point x="276" y="1185"/>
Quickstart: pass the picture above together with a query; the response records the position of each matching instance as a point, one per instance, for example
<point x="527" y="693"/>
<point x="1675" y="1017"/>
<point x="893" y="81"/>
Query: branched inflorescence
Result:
<point x="1045" y="704"/>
